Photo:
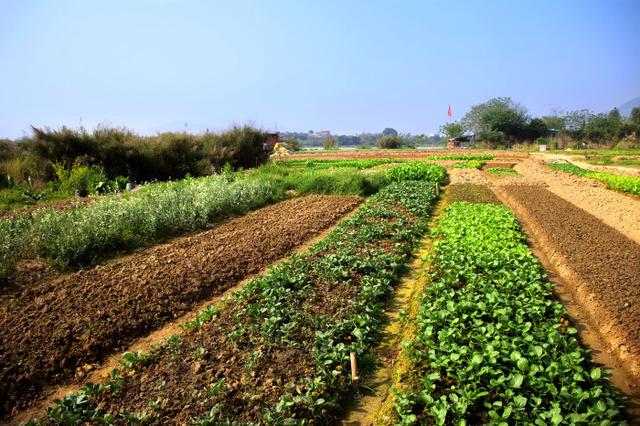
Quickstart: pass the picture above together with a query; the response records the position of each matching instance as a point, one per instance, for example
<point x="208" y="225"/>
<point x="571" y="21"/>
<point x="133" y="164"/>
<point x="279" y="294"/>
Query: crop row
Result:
<point x="622" y="183"/>
<point x="278" y="351"/>
<point x="493" y="346"/>
<point x="418" y="171"/>
<point x="82" y="235"/>
<point x="469" y="164"/>
<point x="358" y="164"/>
<point x="461" y="157"/>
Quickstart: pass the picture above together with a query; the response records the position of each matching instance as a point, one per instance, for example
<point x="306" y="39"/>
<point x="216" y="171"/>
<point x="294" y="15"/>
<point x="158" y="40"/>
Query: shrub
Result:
<point x="390" y="142"/>
<point x="168" y="155"/>
<point x="79" y="177"/>
<point x="330" y="143"/>
<point x="418" y="171"/>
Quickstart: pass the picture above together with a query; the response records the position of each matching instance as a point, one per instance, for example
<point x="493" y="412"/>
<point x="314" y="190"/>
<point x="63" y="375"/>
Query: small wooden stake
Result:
<point x="437" y="188"/>
<point x="354" y="369"/>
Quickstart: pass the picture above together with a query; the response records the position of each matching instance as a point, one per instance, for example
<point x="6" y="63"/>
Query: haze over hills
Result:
<point x="625" y="109"/>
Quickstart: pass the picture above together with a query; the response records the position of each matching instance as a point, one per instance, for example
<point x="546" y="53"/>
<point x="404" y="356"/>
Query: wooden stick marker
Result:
<point x="354" y="368"/>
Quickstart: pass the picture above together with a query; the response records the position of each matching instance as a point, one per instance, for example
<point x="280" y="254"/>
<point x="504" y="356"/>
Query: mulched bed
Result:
<point x="472" y="193"/>
<point x="50" y="330"/>
<point x="606" y="261"/>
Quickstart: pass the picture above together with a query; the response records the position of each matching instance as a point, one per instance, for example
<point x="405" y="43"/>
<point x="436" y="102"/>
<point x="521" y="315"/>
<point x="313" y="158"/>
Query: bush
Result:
<point x="165" y="156"/>
<point x="330" y="143"/>
<point x="79" y="177"/>
<point x="390" y="142"/>
<point x="418" y="171"/>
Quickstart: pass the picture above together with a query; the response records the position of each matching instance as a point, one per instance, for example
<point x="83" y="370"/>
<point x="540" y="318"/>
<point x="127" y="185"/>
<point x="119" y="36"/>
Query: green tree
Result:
<point x="473" y="121"/>
<point x="389" y="132"/>
<point x="634" y="117"/>
<point x="536" y="128"/>
<point x="452" y="130"/>
<point x="330" y="143"/>
<point x="555" y="121"/>
<point x="497" y="116"/>
<point x="390" y="142"/>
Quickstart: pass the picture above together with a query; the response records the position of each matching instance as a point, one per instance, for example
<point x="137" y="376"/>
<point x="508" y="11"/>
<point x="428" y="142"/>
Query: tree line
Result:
<point x="501" y="121"/>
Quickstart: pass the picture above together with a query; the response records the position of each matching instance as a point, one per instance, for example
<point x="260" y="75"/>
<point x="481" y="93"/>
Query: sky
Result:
<point x="349" y="66"/>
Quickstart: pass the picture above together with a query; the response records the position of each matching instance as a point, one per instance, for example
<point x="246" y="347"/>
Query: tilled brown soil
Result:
<point x="604" y="265"/>
<point x="54" y="328"/>
<point x="618" y="210"/>
<point x="471" y="193"/>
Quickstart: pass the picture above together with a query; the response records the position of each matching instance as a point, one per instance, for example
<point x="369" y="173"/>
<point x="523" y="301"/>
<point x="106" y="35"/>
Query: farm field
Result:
<point x="77" y="319"/>
<point x="484" y="337"/>
<point x="403" y="154"/>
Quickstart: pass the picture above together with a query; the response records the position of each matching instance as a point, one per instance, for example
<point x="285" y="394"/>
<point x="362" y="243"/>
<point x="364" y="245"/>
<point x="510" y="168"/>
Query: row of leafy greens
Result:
<point x="493" y="346"/>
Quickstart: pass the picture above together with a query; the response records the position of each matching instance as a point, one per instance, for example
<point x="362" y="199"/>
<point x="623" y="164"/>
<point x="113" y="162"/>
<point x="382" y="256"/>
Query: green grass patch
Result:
<point x="502" y="171"/>
<point x="491" y="345"/>
<point x="623" y="183"/>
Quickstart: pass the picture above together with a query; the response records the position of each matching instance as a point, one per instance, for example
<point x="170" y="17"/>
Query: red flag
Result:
<point x="449" y="112"/>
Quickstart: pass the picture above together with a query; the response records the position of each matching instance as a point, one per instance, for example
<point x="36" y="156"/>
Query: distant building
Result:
<point x="460" y="142"/>
<point x="322" y="134"/>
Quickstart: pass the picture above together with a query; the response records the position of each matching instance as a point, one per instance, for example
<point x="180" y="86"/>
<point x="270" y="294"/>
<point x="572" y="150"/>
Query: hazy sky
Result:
<point x="348" y="66"/>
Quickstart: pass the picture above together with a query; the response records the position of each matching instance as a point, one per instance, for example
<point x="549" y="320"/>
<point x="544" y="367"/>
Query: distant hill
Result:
<point x="625" y="109"/>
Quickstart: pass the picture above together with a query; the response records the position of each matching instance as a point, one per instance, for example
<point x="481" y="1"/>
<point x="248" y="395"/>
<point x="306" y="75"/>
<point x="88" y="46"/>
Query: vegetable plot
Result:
<point x="493" y="346"/>
<point x="82" y="235"/>
<point x="418" y="171"/>
<point x="622" y="183"/>
<point x="278" y="351"/>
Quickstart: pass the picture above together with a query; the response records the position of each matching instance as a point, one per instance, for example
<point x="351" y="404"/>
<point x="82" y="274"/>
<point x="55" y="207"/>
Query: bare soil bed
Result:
<point x="603" y="264"/>
<point x="467" y="176"/>
<point x="51" y="330"/>
<point x="618" y="210"/>
<point x="471" y="193"/>
<point x="390" y="153"/>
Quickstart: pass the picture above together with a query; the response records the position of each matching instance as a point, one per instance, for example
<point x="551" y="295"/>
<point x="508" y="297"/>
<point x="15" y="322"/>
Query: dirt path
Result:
<point x="52" y="330"/>
<point x="619" y="211"/>
<point x="600" y="266"/>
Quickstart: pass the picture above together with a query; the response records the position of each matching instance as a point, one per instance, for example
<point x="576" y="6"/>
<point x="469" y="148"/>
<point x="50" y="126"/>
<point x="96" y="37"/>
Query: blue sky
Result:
<point x="347" y="66"/>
